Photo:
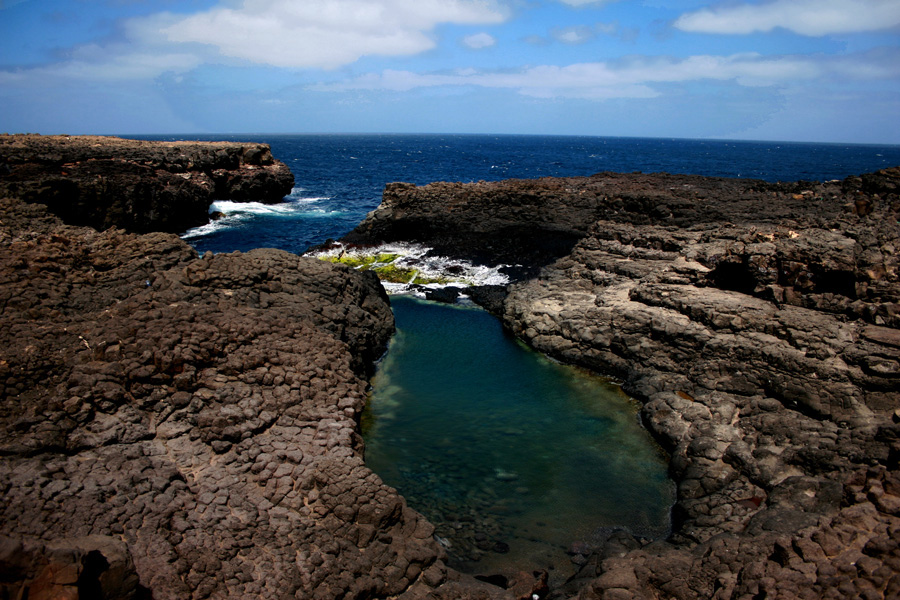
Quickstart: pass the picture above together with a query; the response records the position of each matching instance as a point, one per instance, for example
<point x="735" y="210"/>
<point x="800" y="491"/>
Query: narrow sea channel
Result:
<point x="513" y="457"/>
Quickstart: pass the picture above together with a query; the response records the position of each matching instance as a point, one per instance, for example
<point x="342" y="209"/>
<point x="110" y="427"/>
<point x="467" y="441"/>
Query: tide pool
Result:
<point x="512" y="457"/>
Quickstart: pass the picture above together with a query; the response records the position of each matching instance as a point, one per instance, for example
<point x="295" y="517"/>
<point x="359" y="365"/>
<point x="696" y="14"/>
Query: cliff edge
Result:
<point x="136" y="185"/>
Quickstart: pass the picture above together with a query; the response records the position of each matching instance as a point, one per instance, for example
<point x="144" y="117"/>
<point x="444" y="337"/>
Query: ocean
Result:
<point x="512" y="456"/>
<point x="339" y="178"/>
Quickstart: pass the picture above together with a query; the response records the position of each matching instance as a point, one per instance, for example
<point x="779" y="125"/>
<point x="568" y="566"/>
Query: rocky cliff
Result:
<point x="136" y="185"/>
<point x="176" y="426"/>
<point x="757" y="322"/>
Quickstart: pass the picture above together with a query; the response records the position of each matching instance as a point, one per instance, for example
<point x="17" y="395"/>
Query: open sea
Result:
<point x="517" y="460"/>
<point x="339" y="178"/>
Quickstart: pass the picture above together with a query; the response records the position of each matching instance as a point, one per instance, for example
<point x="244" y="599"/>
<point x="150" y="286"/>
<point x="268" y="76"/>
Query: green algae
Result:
<point x="382" y="264"/>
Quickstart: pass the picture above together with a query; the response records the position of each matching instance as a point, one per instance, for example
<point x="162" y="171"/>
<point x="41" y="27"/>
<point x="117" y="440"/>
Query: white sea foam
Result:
<point x="236" y="212"/>
<point x="208" y="229"/>
<point x="229" y="207"/>
<point x="452" y="271"/>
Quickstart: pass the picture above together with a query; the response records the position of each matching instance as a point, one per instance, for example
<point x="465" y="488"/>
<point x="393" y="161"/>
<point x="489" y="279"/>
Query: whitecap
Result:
<point x="208" y="229"/>
<point x="229" y="207"/>
<point x="311" y="200"/>
<point x="236" y="212"/>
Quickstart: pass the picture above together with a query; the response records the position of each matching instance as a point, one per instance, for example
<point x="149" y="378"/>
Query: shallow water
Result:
<point x="512" y="456"/>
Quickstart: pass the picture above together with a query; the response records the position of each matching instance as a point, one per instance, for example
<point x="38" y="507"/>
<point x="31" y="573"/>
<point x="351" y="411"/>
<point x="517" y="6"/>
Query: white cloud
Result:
<point x="573" y="35"/>
<point x="326" y="33"/>
<point x="99" y="64"/>
<point x="641" y="76"/>
<point x="282" y="33"/>
<point x="806" y="17"/>
<point x="478" y="41"/>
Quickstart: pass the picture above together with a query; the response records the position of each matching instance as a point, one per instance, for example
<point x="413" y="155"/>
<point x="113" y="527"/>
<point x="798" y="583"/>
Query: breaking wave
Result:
<point x="230" y="214"/>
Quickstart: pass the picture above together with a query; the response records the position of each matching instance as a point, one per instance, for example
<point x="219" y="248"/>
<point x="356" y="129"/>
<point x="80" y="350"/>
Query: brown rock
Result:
<point x="201" y="411"/>
<point x="756" y="322"/>
<point x="137" y="185"/>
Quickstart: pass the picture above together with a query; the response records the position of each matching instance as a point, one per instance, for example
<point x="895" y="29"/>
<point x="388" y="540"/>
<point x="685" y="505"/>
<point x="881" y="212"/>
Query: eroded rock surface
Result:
<point x="137" y="185"/>
<point x="201" y="413"/>
<point x="759" y="325"/>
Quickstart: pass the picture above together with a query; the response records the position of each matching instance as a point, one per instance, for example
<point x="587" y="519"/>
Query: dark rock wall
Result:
<point x="203" y="411"/>
<point x="136" y="185"/>
<point x="759" y="325"/>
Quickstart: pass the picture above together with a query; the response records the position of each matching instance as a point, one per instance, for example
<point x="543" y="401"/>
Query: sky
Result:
<point x="793" y="70"/>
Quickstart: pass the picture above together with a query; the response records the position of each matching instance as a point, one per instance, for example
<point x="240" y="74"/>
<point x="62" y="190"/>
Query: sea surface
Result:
<point x="339" y="178"/>
<point x="513" y="457"/>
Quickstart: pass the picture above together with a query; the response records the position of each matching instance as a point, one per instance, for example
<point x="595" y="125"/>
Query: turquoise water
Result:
<point x="512" y="456"/>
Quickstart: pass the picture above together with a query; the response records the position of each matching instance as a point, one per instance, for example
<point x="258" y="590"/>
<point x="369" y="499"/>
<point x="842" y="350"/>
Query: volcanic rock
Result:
<point x="177" y="426"/>
<point x="757" y="322"/>
<point x="140" y="186"/>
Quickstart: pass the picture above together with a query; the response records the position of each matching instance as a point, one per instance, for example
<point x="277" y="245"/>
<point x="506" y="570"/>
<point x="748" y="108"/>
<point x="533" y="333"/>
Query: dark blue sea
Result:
<point x="513" y="457"/>
<point x="339" y="178"/>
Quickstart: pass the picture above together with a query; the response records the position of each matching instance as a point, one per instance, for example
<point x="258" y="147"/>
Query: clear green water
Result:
<point x="513" y="457"/>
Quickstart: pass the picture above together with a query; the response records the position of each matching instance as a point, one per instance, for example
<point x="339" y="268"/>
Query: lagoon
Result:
<point x="512" y="456"/>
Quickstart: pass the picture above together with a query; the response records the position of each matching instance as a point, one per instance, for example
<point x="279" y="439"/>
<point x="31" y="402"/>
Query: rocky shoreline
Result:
<point x="183" y="426"/>
<point x="757" y="322"/>
<point x="178" y="426"/>
<point x="136" y="185"/>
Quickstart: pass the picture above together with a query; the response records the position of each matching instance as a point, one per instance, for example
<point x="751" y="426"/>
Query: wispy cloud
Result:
<point x="580" y="34"/>
<point x="479" y="41"/>
<point x="586" y="2"/>
<point x="573" y="35"/>
<point x="321" y="34"/>
<point x="805" y="17"/>
<point x="326" y="33"/>
<point x="639" y="76"/>
<point x="94" y="63"/>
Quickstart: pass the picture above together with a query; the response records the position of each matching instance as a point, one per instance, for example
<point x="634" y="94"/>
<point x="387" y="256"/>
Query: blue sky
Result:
<point x="802" y="70"/>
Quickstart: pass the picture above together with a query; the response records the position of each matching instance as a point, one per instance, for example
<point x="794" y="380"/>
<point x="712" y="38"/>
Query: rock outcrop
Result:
<point x="177" y="426"/>
<point x="202" y="411"/>
<point x="139" y="186"/>
<point x="759" y="323"/>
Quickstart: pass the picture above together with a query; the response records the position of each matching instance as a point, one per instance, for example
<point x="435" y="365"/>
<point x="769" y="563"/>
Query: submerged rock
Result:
<point x="757" y="322"/>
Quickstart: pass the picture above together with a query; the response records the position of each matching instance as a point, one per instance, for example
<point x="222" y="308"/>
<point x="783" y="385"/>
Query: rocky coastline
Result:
<point x="182" y="426"/>
<point x="137" y="185"/>
<point x="758" y="324"/>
